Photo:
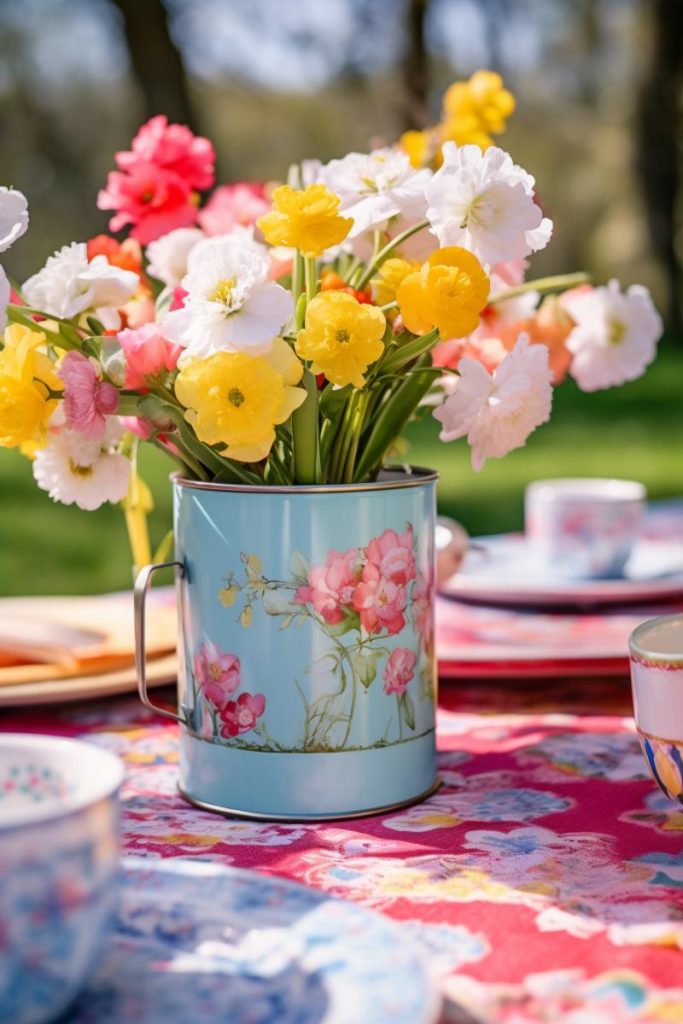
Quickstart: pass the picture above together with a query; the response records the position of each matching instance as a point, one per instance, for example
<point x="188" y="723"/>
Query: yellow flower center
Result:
<point x="342" y="335"/>
<point x="235" y="397"/>
<point x="77" y="470"/>
<point x="224" y="293"/>
<point x="616" y="332"/>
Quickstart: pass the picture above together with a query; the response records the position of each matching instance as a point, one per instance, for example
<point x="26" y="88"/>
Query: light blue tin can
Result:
<point x="307" y="680"/>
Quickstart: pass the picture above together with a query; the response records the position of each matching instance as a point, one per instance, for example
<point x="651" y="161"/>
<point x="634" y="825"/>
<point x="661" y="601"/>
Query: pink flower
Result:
<point x="399" y="670"/>
<point x="173" y="147"/>
<point x="392" y="553"/>
<point x="422" y="609"/>
<point x="331" y="586"/>
<point x="217" y="673"/>
<point x="150" y="198"/>
<point x="380" y="602"/>
<point x="240" y="715"/>
<point x="148" y="355"/>
<point x="138" y="425"/>
<point x="88" y="400"/>
<point x="178" y="300"/>
<point x="231" y="206"/>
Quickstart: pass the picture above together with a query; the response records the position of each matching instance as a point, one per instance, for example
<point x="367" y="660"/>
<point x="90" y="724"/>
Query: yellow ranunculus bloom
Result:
<point x="418" y="146"/>
<point x="236" y="399"/>
<point x="342" y="337"/>
<point x="477" y="109"/>
<point x="26" y="377"/>
<point x="391" y="273"/>
<point x="305" y="219"/>
<point x="448" y="292"/>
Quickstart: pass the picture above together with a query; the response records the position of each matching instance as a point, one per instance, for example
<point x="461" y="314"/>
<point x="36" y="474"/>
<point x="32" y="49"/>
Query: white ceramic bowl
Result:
<point x="656" y="649"/>
<point x="584" y="528"/>
<point x="59" y="833"/>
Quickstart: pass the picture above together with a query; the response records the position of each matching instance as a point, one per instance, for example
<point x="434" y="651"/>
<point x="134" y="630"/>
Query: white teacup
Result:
<point x="656" y="649"/>
<point x="584" y="528"/>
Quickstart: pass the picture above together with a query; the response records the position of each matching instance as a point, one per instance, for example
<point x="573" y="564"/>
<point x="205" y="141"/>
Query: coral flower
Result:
<point x="342" y="337"/>
<point x="88" y="400"/>
<point x="237" y="400"/>
<point x="399" y="670"/>
<point x="231" y="206"/>
<point x="379" y="602"/>
<point x="217" y="673"/>
<point x="173" y="147"/>
<point x="449" y="292"/>
<point x="305" y="219"/>
<point x="477" y="109"/>
<point x="149" y="356"/>
<point x="126" y="255"/>
<point x="242" y="714"/>
<point x="331" y="586"/>
<point x="152" y="200"/>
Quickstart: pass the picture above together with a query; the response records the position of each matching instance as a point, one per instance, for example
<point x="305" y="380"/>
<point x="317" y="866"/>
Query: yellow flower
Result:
<point x="236" y="400"/>
<point x="342" y="337"/>
<point x="26" y="378"/>
<point x="305" y="219"/>
<point x="391" y="273"/>
<point x="417" y="145"/>
<point x="246" y="616"/>
<point x="228" y="595"/>
<point x="477" y="109"/>
<point x="448" y="292"/>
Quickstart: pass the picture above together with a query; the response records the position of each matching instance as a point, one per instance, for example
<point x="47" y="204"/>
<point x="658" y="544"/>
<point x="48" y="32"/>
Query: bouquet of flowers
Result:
<point x="286" y="334"/>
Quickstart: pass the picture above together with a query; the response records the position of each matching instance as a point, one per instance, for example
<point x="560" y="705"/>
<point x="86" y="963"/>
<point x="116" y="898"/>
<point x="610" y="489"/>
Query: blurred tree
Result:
<point x="156" y="62"/>
<point x="416" y="66"/>
<point x="658" y="159"/>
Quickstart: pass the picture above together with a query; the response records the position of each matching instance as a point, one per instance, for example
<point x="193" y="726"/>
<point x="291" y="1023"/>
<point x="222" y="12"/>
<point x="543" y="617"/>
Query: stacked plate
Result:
<point x="501" y="615"/>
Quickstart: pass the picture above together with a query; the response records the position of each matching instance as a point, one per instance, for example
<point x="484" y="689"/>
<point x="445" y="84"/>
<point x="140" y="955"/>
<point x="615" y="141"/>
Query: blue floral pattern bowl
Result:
<point x="58" y="860"/>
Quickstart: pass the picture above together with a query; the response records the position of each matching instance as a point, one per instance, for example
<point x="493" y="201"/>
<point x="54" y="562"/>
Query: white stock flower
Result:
<point x="13" y="216"/>
<point x="498" y="411"/>
<point x="69" y="284"/>
<point x="376" y="186"/>
<point x="169" y="254"/>
<point x="615" y="337"/>
<point x="485" y="203"/>
<point x="4" y="298"/>
<point x="75" y="470"/>
<point x="231" y="305"/>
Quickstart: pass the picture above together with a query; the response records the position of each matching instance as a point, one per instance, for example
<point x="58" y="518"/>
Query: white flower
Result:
<point x="73" y="469"/>
<point x="615" y="337"/>
<point x="69" y="284"/>
<point x="376" y="186"/>
<point x="498" y="411"/>
<point x="168" y="255"/>
<point x="4" y="298"/>
<point x="231" y="305"/>
<point x="485" y="203"/>
<point x="13" y="216"/>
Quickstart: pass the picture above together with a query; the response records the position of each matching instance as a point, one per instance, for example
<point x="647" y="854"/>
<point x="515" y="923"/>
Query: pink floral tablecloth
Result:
<point x="544" y="879"/>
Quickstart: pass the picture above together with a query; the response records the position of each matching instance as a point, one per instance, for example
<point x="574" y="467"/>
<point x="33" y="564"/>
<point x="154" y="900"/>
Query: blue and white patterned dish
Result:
<point x="59" y="842"/>
<point x="197" y="941"/>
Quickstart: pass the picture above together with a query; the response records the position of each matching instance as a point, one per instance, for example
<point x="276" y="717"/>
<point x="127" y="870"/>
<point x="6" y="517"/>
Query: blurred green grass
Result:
<point x="635" y="432"/>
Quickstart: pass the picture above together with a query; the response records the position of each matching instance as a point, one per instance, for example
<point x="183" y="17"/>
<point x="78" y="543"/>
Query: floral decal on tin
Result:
<point x="357" y="600"/>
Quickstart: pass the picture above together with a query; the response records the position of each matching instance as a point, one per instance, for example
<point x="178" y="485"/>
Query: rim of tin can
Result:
<point x="391" y="478"/>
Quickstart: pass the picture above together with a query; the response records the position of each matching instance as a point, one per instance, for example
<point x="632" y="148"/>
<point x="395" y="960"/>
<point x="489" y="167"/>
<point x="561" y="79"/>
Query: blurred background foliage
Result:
<point x="598" y="122"/>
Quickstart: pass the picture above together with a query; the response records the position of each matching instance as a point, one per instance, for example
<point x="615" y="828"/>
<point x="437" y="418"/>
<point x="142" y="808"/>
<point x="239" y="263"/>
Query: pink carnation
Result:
<point x="241" y="715"/>
<point x="217" y="673"/>
<point x="148" y="355"/>
<point x="380" y="602"/>
<point x="88" y="400"/>
<point x="149" y="198"/>
<point x="392" y="554"/>
<point x="173" y="147"/>
<point x="399" y="670"/>
<point x="331" y="586"/>
<point x="231" y="206"/>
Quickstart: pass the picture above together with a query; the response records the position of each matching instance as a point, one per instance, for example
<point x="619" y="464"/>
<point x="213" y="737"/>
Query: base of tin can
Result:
<point x="228" y="812"/>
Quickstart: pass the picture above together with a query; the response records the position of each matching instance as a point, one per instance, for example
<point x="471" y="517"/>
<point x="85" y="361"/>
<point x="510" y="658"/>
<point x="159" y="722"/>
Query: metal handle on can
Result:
<point x="142" y="583"/>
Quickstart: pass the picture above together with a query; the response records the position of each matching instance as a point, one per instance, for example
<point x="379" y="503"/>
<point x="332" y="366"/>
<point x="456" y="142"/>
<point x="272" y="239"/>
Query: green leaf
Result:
<point x="407" y="707"/>
<point x="364" y="662"/>
<point x="333" y="400"/>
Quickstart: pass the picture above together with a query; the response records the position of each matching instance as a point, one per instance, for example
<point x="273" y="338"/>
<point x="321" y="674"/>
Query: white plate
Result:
<point x="503" y="570"/>
<point x="202" y="942"/>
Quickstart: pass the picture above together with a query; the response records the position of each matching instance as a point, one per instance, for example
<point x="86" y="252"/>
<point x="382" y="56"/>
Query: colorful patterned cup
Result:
<point x="656" y="649"/>
<point x="59" y="824"/>
<point x="584" y="528"/>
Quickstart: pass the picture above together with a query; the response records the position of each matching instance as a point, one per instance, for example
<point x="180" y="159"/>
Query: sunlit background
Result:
<point x="598" y="122"/>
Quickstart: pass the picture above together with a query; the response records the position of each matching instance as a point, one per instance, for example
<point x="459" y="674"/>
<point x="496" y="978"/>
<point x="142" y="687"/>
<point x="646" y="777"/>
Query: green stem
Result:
<point x="352" y="709"/>
<point x="400" y="718"/>
<point x="297" y="276"/>
<point x="355" y="430"/>
<point x="377" y="260"/>
<point x="558" y="283"/>
<point x="305" y="434"/>
<point x="311" y="277"/>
